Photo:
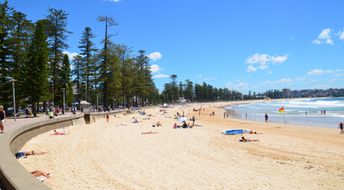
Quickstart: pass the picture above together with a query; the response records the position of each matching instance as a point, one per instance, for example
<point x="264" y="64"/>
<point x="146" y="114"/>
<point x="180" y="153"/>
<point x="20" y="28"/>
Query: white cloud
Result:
<point x="258" y="58"/>
<point x="341" y="35"/>
<point x="263" y="60"/>
<point x="251" y="69"/>
<point x="319" y="72"/>
<point x="324" y="37"/>
<point x="204" y="78"/>
<point x="263" y="66"/>
<point x="161" y="76"/>
<point x="155" y="56"/>
<point x="155" y="68"/>
<point x="71" y="55"/>
<point x="279" y="59"/>
<point x="114" y="1"/>
<point x="208" y="78"/>
<point x="316" y="41"/>
<point x="237" y="86"/>
<point x="284" y="81"/>
<point x="325" y="34"/>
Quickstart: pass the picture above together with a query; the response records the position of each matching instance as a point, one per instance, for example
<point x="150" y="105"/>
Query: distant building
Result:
<point x="286" y="93"/>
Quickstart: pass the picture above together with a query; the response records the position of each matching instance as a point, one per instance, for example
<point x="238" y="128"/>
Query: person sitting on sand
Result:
<point x="175" y="126"/>
<point x="40" y="175"/>
<point x="185" y="125"/>
<point x="253" y="132"/>
<point x="135" y="120"/>
<point x="28" y="153"/>
<point x="158" y="124"/>
<point x="243" y="139"/>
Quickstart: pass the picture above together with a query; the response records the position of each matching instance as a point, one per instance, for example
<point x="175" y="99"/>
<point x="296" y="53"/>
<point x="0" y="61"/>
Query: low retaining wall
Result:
<point x="12" y="174"/>
<point x="93" y="116"/>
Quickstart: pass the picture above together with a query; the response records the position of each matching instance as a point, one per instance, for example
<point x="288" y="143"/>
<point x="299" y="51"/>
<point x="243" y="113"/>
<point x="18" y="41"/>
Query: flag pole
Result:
<point x="284" y="119"/>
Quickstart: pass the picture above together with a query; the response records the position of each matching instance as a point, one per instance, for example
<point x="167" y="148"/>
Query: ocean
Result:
<point x="320" y="112"/>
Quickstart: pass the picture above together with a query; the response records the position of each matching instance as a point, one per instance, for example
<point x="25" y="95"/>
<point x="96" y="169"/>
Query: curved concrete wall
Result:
<point x="92" y="117"/>
<point x="12" y="174"/>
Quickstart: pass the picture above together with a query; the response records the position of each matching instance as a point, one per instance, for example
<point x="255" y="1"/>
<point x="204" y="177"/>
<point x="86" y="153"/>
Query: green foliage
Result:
<point x="57" y="33"/>
<point x="21" y="33"/>
<point x="5" y="53"/>
<point x="197" y="92"/>
<point x="77" y="72"/>
<point x="36" y="68"/>
<point x="65" y="78"/>
<point x="89" y="65"/>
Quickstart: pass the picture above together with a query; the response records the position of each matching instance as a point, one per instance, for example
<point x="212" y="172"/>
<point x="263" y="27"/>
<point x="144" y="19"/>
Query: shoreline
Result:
<point x="309" y="119"/>
<point x="114" y="156"/>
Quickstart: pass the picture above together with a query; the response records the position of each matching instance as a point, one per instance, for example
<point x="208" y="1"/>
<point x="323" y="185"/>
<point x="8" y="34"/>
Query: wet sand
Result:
<point x="114" y="156"/>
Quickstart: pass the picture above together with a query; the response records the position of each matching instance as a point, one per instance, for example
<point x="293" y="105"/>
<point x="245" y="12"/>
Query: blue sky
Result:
<point x="240" y="44"/>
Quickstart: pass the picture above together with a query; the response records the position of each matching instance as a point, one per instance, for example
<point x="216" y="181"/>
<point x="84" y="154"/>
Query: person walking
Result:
<point x="2" y="119"/>
<point x="266" y="117"/>
<point x="340" y="126"/>
<point x="193" y="120"/>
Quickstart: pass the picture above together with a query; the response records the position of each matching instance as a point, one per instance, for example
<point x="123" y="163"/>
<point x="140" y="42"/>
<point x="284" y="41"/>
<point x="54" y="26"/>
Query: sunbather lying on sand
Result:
<point x="243" y="139"/>
<point x="56" y="132"/>
<point x="254" y="132"/>
<point x="40" y="175"/>
<point x="149" y="132"/>
<point x="28" y="153"/>
<point x="121" y="125"/>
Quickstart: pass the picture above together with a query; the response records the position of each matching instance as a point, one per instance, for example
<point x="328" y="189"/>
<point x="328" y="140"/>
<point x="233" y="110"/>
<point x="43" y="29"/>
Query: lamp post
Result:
<point x="97" y="102"/>
<point x="14" y="99"/>
<point x="64" y="100"/>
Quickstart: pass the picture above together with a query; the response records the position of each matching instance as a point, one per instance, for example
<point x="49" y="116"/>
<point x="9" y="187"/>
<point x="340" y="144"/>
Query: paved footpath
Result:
<point x="9" y="123"/>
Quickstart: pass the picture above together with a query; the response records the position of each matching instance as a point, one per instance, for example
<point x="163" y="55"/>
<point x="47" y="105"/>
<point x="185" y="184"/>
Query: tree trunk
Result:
<point x="34" y="110"/>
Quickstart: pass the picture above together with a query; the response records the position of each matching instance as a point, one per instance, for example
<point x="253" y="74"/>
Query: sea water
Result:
<point x="322" y="112"/>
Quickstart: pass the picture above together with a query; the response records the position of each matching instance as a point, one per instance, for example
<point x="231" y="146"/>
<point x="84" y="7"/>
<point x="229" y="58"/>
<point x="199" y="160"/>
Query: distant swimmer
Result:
<point x="266" y="117"/>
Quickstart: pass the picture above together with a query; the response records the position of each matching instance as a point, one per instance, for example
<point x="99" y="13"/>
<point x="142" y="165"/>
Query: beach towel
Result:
<point x="182" y="119"/>
<point x="235" y="131"/>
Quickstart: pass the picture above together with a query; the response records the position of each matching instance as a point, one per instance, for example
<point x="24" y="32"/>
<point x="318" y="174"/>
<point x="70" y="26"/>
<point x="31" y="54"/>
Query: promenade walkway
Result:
<point x="21" y="121"/>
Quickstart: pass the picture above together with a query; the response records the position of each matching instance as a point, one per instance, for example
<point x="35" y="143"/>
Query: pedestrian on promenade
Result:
<point x="2" y="119"/>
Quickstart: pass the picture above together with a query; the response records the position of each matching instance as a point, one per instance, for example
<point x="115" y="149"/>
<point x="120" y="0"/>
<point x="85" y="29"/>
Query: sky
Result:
<point x="245" y="45"/>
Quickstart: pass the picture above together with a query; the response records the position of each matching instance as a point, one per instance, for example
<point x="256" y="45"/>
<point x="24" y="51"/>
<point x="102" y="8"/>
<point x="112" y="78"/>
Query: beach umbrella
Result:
<point x="182" y="119"/>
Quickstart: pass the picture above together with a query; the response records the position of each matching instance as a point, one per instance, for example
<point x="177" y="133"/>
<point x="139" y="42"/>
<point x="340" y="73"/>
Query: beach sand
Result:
<point x="112" y="156"/>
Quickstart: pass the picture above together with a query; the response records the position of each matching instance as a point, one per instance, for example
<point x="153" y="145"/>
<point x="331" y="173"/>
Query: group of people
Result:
<point x="184" y="125"/>
<point x="52" y="112"/>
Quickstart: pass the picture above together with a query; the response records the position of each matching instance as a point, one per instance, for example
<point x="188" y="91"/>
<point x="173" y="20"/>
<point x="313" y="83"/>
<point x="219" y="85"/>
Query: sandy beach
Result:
<point x="120" y="154"/>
